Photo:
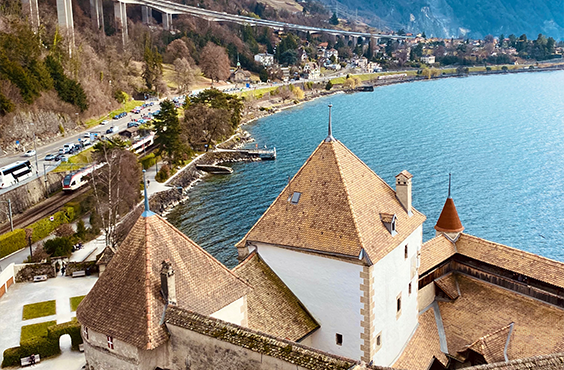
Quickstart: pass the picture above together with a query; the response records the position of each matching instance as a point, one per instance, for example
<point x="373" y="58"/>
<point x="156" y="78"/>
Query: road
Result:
<point x="54" y="145"/>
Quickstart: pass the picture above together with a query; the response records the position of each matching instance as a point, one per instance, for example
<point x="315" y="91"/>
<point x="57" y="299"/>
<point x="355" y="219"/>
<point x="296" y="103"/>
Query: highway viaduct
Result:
<point x="168" y="9"/>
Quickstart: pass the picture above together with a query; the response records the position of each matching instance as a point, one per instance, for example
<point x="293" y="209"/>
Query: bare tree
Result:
<point x="115" y="185"/>
<point x="214" y="62"/>
<point x="178" y="50"/>
<point x="204" y="124"/>
<point x="184" y="74"/>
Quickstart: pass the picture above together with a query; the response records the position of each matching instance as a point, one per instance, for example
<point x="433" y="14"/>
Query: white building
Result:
<point x="336" y="236"/>
<point x="428" y="59"/>
<point x="264" y="59"/>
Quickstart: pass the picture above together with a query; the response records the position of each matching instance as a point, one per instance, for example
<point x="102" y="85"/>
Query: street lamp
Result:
<point x="35" y="149"/>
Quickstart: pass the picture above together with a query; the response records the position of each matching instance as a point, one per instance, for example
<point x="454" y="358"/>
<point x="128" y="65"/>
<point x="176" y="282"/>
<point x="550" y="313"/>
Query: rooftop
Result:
<point x="126" y="302"/>
<point x="338" y="209"/>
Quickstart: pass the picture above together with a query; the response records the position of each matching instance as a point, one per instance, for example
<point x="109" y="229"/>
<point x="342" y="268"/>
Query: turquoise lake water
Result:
<point x="501" y="136"/>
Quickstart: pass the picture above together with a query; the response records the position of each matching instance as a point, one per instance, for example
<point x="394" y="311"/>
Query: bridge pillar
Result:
<point x="65" y="20"/>
<point x="146" y="14"/>
<point x="31" y="10"/>
<point x="120" y="15"/>
<point x="97" y="14"/>
<point x="167" y="21"/>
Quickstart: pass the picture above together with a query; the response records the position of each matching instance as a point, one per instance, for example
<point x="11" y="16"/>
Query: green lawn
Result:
<point x="35" y="330"/>
<point x="31" y="311"/>
<point x="258" y="93"/>
<point x="75" y="301"/>
<point x="126" y="107"/>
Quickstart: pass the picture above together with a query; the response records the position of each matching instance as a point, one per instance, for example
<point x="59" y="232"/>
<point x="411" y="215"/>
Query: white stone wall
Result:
<point x="235" y="312"/>
<point x="123" y="356"/>
<point x="392" y="275"/>
<point x="329" y="289"/>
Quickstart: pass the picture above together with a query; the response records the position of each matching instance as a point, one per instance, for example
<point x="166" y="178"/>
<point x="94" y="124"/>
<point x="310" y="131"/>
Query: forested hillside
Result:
<point x="474" y="18"/>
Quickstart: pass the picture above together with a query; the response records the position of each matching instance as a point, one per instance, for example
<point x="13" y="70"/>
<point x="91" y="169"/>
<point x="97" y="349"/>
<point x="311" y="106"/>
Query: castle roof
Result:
<point x="126" y="301"/>
<point x="271" y="306"/>
<point x="449" y="222"/>
<point x="333" y="206"/>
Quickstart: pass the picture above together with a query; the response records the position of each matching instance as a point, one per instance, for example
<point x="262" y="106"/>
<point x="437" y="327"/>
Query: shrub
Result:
<point x="45" y="346"/>
<point x="65" y="230"/>
<point x="76" y="208"/>
<point x="58" y="246"/>
<point x="45" y="226"/>
<point x="80" y="229"/>
<point x="148" y="161"/>
<point x="329" y="85"/>
<point x="163" y="174"/>
<point x="11" y="242"/>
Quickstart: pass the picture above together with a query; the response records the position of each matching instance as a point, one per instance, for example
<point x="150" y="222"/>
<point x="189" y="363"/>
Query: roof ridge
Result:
<point x="487" y="336"/>
<point x="343" y="181"/>
<point x="513" y="249"/>
<point x="245" y="261"/>
<point x="148" y="270"/>
<point x="280" y="194"/>
<point x="206" y="253"/>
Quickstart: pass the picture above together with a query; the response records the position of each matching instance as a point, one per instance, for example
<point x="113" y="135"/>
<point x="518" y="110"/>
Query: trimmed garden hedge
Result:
<point x="45" y="346"/>
<point x="11" y="242"/>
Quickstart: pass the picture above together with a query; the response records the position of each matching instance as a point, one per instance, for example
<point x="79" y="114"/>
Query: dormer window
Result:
<point x="295" y="198"/>
<point x="389" y="220"/>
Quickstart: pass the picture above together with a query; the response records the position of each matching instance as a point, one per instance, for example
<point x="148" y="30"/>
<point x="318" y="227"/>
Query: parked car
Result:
<point x="64" y="158"/>
<point x="111" y="130"/>
<point x="58" y="157"/>
<point x="141" y="121"/>
<point x="29" y="153"/>
<point x="132" y="124"/>
<point x="63" y="151"/>
<point x="50" y="157"/>
<point x="104" y="122"/>
<point x="120" y="115"/>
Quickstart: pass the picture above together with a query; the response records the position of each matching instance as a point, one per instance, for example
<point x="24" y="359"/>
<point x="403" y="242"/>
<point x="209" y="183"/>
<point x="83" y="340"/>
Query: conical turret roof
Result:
<point x="126" y="302"/>
<point x="449" y="222"/>
<point x="333" y="206"/>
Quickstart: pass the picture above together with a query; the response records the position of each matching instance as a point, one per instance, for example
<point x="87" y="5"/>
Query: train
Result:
<point x="77" y="179"/>
<point x="14" y="173"/>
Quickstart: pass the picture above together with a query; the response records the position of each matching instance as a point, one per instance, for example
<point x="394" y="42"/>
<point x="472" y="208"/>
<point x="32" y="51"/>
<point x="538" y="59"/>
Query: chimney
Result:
<point x="403" y="190"/>
<point x="168" y="287"/>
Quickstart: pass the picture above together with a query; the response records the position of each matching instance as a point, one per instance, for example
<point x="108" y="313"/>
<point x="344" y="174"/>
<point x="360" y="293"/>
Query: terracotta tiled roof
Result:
<point x="448" y="220"/>
<point x="126" y="301"/>
<point x="105" y="257"/>
<point x="405" y="173"/>
<point x="512" y="259"/>
<point x="548" y="362"/>
<point x="272" y="307"/>
<point x="483" y="308"/>
<point x="435" y="251"/>
<point x="423" y="346"/>
<point x="448" y="285"/>
<point x="338" y="211"/>
<point x="492" y="345"/>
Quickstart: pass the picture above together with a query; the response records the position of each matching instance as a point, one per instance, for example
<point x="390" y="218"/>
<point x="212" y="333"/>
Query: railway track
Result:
<point x="43" y="209"/>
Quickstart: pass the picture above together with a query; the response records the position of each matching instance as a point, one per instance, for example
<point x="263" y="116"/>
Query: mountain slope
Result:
<point x="473" y="18"/>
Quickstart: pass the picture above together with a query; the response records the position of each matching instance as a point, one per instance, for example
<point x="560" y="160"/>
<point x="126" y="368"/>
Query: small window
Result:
<point x="295" y="197"/>
<point x="379" y="340"/>
<point x="409" y="288"/>
<point x="110" y="342"/>
<point x="398" y="304"/>
<point x="85" y="332"/>
<point x="405" y="252"/>
<point x="339" y="339"/>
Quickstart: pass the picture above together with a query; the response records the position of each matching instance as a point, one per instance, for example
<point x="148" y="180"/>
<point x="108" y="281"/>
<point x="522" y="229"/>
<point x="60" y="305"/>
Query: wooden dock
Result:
<point x="263" y="154"/>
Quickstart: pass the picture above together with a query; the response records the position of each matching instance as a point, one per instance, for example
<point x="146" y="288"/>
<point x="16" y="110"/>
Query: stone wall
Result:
<point x="28" y="195"/>
<point x="27" y="271"/>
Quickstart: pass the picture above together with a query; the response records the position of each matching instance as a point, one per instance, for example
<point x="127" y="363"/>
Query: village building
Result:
<point x="334" y="275"/>
<point x="428" y="59"/>
<point x="265" y="59"/>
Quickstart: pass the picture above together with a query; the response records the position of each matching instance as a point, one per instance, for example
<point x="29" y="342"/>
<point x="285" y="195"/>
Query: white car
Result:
<point x="29" y="153"/>
<point x="104" y="122"/>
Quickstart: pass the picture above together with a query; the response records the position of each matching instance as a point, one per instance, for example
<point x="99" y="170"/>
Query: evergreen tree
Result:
<point x="334" y="20"/>
<point x="167" y="129"/>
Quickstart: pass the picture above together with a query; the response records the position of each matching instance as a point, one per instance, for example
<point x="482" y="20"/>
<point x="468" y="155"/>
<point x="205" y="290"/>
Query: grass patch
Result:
<point x="124" y="108"/>
<point x="258" y="93"/>
<point x="75" y="301"/>
<point x="46" y="308"/>
<point x="35" y="330"/>
<point x="76" y="162"/>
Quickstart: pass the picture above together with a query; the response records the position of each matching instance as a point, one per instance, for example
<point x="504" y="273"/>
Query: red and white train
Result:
<point x="77" y="179"/>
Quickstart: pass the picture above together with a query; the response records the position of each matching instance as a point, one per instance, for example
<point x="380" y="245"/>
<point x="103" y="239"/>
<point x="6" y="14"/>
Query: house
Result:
<point x="302" y="56"/>
<point x="428" y="59"/>
<point x="333" y="275"/>
<point x="130" y="133"/>
<point x="332" y="53"/>
<point x="265" y="59"/>
<point x="240" y="76"/>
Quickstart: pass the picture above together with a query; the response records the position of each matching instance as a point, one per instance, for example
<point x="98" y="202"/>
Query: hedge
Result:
<point x="12" y="241"/>
<point x="45" y="346"/>
<point x="148" y="161"/>
<point x="76" y="209"/>
<point x="45" y="226"/>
